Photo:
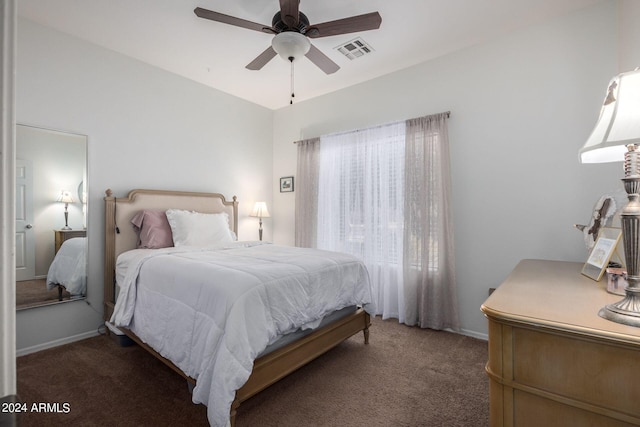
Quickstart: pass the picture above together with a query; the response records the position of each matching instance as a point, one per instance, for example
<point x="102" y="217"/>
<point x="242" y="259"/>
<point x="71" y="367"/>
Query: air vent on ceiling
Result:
<point x="354" y="48"/>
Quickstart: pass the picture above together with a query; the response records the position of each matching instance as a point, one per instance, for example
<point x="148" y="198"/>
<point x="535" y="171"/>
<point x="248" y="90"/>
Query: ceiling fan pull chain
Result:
<point x="292" y="91"/>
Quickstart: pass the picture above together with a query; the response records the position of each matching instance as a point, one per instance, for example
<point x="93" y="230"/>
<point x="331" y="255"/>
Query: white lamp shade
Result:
<point x="260" y="210"/>
<point x="290" y="44"/>
<point x="65" y="197"/>
<point x="619" y="121"/>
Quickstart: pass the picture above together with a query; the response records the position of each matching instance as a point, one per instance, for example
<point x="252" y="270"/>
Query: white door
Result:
<point x="25" y="238"/>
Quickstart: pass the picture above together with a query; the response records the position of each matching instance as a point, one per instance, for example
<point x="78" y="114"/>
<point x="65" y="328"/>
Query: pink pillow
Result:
<point x="153" y="229"/>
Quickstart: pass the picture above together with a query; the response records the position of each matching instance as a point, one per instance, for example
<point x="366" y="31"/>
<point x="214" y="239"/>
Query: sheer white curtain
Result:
<point x="360" y="206"/>
<point x="382" y="194"/>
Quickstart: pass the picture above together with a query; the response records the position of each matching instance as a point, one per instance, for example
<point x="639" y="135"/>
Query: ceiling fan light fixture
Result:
<point x="290" y="44"/>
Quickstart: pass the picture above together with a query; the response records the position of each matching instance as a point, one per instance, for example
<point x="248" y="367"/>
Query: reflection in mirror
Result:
<point x="51" y="243"/>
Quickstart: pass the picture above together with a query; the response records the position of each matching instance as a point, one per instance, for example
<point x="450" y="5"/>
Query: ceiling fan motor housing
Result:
<point x="279" y="26"/>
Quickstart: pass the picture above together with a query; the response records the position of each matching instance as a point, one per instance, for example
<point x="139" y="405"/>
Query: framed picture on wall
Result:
<point x="286" y="184"/>
<point x="604" y="249"/>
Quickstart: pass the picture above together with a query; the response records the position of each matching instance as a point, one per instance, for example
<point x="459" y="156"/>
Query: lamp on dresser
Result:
<point x="615" y="137"/>
<point x="260" y="210"/>
<point x="66" y="198"/>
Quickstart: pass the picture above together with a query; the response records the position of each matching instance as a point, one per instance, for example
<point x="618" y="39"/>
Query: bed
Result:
<point x="226" y="375"/>
<point x="69" y="268"/>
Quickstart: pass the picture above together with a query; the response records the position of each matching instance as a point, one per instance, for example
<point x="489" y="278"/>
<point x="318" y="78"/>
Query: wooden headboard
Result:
<point x="118" y="214"/>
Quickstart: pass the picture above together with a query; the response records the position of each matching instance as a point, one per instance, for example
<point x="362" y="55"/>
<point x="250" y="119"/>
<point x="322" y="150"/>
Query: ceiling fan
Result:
<point x="292" y="30"/>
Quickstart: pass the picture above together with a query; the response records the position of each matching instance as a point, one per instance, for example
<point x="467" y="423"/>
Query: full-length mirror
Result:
<point x="51" y="216"/>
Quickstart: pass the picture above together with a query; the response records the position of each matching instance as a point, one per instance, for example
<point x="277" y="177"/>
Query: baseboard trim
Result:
<point x="474" y="334"/>
<point x="55" y="343"/>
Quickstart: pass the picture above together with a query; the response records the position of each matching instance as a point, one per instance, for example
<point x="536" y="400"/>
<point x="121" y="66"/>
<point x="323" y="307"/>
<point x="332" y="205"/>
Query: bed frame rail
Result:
<point x="272" y="367"/>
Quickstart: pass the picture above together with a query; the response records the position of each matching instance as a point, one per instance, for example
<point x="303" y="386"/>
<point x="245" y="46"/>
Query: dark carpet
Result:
<point x="404" y="377"/>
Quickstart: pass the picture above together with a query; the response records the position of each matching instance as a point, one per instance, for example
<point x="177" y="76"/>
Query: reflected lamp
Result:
<point x="66" y="198"/>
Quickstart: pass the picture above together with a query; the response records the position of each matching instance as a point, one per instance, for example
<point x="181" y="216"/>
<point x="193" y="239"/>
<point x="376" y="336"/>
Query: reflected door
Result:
<point x="25" y="239"/>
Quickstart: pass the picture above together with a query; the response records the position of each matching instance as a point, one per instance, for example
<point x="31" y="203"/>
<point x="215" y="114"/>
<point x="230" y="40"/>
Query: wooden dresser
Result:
<point x="62" y="235"/>
<point x="552" y="360"/>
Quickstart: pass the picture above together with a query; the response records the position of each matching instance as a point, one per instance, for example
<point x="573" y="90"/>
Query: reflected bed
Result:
<point x="69" y="268"/>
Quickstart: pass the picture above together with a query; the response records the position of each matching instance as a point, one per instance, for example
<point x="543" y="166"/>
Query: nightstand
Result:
<point x="62" y="235"/>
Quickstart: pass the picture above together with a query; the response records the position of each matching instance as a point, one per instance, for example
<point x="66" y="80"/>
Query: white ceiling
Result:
<point x="167" y="34"/>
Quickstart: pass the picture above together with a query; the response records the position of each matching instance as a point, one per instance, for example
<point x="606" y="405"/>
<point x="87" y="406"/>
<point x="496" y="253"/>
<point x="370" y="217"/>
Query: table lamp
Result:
<point x="615" y="137"/>
<point x="260" y="210"/>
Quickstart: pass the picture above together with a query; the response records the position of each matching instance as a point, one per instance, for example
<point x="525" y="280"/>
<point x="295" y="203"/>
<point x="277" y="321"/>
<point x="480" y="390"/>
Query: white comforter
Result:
<point x="69" y="267"/>
<point x="213" y="311"/>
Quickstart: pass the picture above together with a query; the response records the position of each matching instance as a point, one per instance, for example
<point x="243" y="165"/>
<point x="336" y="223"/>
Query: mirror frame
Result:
<point x="74" y="189"/>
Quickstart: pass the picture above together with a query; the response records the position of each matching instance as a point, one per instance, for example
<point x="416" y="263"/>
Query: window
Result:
<point x="382" y="194"/>
<point x="360" y="193"/>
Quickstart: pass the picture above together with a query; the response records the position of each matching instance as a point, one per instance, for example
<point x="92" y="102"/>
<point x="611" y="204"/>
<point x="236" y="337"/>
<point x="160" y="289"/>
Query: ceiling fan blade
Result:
<point x="231" y="20"/>
<point x="322" y="60"/>
<point x="262" y="59"/>
<point x="289" y="12"/>
<point x="368" y="21"/>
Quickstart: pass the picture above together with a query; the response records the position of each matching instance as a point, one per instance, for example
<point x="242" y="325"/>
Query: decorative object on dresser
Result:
<point x="603" y="251"/>
<point x="605" y="213"/>
<point x="616" y="280"/>
<point x="552" y="360"/>
<point x="616" y="132"/>
<point x="260" y="211"/>
<point x="66" y="198"/>
<point x="260" y="273"/>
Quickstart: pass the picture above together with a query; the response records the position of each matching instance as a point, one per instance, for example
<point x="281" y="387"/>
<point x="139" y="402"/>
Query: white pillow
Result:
<point x="198" y="229"/>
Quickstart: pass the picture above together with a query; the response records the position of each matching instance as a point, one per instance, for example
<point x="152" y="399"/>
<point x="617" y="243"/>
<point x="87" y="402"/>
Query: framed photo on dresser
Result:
<point x="604" y="250"/>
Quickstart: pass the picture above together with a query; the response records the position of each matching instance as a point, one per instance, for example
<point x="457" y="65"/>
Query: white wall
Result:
<point x="521" y="108"/>
<point x="146" y="128"/>
<point x="629" y="16"/>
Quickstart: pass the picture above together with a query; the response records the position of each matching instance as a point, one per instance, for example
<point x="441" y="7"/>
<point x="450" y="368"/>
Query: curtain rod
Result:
<point x="448" y="113"/>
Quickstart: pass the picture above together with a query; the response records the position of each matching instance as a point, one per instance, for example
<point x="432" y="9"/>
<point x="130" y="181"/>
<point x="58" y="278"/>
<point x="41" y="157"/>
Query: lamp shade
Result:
<point x="619" y="121"/>
<point x="65" y="197"/>
<point x="260" y="210"/>
<point x="290" y="44"/>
